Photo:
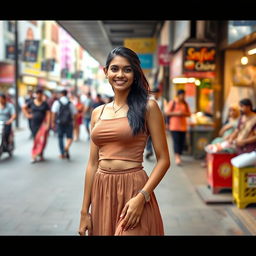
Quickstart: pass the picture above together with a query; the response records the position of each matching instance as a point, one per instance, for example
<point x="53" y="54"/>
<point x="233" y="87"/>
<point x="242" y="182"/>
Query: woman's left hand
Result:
<point x="240" y="143"/>
<point x="132" y="211"/>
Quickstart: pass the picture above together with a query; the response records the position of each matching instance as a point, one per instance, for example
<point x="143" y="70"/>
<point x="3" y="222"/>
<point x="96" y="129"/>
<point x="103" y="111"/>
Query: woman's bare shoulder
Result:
<point x="152" y="105"/>
<point x="96" y="112"/>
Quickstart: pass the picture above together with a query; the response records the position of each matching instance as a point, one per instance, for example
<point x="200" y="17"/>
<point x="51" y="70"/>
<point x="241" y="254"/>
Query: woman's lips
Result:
<point x="120" y="82"/>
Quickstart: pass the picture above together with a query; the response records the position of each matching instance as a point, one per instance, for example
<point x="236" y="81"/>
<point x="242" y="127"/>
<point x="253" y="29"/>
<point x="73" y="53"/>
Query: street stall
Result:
<point x="193" y="70"/>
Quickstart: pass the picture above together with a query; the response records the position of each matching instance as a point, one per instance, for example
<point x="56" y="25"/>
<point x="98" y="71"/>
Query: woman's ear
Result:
<point x="105" y="72"/>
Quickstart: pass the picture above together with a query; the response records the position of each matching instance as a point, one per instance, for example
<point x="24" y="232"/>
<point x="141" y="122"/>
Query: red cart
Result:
<point x="219" y="171"/>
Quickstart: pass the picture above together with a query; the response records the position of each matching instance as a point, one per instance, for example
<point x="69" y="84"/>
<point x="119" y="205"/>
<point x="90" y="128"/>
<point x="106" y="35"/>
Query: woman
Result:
<point x="228" y="128"/>
<point x="40" y="124"/>
<point x="79" y="118"/>
<point x="231" y="123"/>
<point x="178" y="111"/>
<point x="116" y="186"/>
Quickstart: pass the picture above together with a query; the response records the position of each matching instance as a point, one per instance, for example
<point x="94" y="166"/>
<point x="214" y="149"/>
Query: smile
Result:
<point x="120" y="82"/>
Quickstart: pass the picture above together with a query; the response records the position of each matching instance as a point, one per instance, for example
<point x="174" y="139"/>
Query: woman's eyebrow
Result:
<point x="127" y="66"/>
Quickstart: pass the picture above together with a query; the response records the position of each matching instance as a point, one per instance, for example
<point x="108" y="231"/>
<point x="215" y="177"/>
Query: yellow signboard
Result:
<point x="141" y="45"/>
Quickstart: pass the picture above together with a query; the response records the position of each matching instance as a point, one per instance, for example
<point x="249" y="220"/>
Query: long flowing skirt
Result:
<point x="40" y="140"/>
<point x="110" y="192"/>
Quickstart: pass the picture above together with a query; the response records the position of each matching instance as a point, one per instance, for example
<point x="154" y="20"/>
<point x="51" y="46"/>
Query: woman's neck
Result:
<point x="120" y="98"/>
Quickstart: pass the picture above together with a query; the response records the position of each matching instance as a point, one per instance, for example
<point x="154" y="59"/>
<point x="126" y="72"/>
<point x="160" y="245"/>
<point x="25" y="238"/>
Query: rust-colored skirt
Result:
<point x="110" y="192"/>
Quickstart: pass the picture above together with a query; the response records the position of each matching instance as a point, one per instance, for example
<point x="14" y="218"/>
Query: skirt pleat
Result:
<point x="111" y="190"/>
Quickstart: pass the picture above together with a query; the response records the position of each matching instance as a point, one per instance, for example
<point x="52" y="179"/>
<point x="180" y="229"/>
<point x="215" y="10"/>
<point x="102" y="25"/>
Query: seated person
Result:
<point x="243" y="139"/>
<point x="229" y="126"/>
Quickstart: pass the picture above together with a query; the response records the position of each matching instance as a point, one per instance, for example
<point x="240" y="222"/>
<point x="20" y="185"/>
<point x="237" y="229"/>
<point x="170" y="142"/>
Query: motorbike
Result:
<point x="6" y="145"/>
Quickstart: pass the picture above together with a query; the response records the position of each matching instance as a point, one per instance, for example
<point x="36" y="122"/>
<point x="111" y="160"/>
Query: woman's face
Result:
<point x="39" y="96"/>
<point x="120" y="73"/>
<point x="233" y="113"/>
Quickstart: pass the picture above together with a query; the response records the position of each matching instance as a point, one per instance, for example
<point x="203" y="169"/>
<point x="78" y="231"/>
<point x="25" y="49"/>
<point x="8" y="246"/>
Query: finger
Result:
<point x="136" y="223"/>
<point x="125" y="220"/>
<point x="82" y="231"/>
<point x="123" y="213"/>
<point x="129" y="223"/>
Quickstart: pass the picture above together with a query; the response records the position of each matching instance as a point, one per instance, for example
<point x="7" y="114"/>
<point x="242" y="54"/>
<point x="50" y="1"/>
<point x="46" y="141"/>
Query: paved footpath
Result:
<point x="45" y="198"/>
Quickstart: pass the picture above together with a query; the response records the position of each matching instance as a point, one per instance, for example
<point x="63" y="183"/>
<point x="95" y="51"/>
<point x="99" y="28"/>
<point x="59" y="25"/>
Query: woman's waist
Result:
<point x="117" y="164"/>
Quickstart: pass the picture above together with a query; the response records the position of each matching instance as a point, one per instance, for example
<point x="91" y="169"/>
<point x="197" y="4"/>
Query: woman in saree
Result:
<point x="40" y="123"/>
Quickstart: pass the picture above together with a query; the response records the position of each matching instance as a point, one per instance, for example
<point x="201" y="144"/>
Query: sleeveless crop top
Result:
<point x="115" y="140"/>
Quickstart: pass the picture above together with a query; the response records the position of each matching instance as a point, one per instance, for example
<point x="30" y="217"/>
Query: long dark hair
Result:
<point x="138" y="95"/>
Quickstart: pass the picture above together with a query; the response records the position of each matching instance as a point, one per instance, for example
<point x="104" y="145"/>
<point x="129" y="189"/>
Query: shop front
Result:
<point x="240" y="64"/>
<point x="193" y="69"/>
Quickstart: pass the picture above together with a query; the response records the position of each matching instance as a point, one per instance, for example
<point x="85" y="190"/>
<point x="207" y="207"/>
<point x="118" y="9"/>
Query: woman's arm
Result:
<point x="91" y="168"/>
<point x="156" y="126"/>
<point x="13" y="116"/>
<point x="225" y="128"/>
<point x="25" y="111"/>
<point x="168" y="109"/>
<point x="250" y="139"/>
<point x="133" y="209"/>
<point x="48" y="118"/>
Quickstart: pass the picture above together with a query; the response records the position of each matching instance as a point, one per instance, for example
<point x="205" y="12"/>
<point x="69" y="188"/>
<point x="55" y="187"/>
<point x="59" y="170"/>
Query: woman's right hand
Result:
<point x="29" y="116"/>
<point x="85" y="224"/>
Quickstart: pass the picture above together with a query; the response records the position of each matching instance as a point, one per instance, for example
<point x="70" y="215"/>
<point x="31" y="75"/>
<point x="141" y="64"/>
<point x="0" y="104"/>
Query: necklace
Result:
<point x="119" y="108"/>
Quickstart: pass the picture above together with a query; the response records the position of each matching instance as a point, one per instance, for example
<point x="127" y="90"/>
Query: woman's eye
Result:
<point x="114" y="69"/>
<point x="128" y="70"/>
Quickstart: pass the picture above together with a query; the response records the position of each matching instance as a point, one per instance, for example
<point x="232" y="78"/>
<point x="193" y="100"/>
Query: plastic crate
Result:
<point x="244" y="186"/>
<point x="219" y="171"/>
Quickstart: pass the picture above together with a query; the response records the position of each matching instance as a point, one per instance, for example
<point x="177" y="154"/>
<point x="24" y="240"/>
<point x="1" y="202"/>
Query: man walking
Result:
<point x="63" y="114"/>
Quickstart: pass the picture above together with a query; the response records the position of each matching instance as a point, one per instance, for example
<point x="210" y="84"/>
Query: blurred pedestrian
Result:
<point x="7" y="115"/>
<point x="178" y="110"/>
<point x="79" y="117"/>
<point x="116" y="185"/>
<point x="88" y="102"/>
<point x="53" y="97"/>
<point x="40" y="123"/>
<point x="63" y="114"/>
<point x="98" y="101"/>
<point x="161" y="101"/>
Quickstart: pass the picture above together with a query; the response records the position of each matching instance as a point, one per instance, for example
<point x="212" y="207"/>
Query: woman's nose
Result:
<point x="120" y="73"/>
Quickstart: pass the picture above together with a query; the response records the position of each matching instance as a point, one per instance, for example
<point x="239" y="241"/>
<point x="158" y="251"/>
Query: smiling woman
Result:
<point x="116" y="185"/>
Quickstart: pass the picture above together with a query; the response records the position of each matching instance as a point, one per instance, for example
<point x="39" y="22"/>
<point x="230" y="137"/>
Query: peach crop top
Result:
<point x="115" y="140"/>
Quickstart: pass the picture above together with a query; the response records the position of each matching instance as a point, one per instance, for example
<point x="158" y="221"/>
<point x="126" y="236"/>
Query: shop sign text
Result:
<point x="199" y="61"/>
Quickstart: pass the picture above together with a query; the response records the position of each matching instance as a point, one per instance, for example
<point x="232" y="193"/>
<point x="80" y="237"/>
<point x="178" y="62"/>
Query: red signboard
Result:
<point x="199" y="61"/>
<point x="6" y="73"/>
<point x="163" y="55"/>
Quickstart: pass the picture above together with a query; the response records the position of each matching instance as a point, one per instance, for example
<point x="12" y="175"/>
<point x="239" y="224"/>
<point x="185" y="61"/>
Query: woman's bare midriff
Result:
<point x="117" y="164"/>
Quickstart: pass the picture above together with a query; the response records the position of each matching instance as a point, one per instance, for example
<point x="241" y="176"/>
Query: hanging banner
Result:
<point x="146" y="61"/>
<point x="10" y="52"/>
<point x="163" y="55"/>
<point x="141" y="45"/>
<point x="31" y="50"/>
<point x="199" y="61"/>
